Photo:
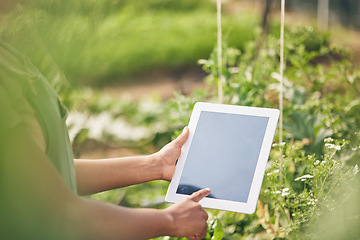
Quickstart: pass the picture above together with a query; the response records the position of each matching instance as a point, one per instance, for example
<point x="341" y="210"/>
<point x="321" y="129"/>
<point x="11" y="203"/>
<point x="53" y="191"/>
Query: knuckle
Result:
<point x="198" y="206"/>
<point x="197" y="194"/>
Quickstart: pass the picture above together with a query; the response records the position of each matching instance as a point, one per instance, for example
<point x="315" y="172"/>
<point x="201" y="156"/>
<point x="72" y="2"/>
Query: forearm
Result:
<point x="104" y="174"/>
<point x="104" y="221"/>
<point x="39" y="205"/>
<point x="100" y="175"/>
<point x="115" y="222"/>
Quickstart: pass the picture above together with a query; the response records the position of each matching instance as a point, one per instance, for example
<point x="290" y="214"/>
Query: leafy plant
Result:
<point x="104" y="42"/>
<point x="305" y="172"/>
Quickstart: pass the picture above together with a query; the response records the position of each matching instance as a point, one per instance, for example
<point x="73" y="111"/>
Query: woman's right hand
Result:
<point x="189" y="218"/>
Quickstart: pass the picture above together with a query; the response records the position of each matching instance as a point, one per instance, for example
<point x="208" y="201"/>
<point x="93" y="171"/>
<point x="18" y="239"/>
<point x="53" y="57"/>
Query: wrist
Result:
<point x="170" y="226"/>
<point x="156" y="166"/>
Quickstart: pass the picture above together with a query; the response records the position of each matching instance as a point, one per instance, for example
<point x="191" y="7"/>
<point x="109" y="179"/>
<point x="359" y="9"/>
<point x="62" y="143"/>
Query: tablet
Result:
<point x="227" y="151"/>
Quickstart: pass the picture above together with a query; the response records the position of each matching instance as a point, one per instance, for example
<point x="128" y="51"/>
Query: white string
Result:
<point x="281" y="77"/>
<point x="219" y="51"/>
<point x="281" y="67"/>
<point x="323" y="14"/>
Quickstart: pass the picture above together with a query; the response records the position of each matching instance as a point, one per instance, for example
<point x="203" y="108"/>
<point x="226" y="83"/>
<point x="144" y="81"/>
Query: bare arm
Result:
<point x="40" y="205"/>
<point x="186" y="218"/>
<point x="105" y="174"/>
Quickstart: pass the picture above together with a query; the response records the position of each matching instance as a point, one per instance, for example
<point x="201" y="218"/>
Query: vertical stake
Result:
<point x="323" y="14"/>
<point x="219" y="53"/>
<point x="281" y="81"/>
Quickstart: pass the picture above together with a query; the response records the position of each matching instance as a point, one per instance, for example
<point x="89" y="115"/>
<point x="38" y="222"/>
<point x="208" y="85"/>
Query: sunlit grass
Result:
<point x="102" y="45"/>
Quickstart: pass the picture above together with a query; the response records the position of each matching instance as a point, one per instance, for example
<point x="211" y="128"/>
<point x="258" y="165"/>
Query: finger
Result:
<point x="203" y="235"/>
<point x="197" y="196"/>
<point x="196" y="237"/>
<point x="181" y="139"/>
<point x="206" y="215"/>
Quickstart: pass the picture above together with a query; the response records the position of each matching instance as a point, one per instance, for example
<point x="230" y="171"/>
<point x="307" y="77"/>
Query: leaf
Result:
<point x="218" y="231"/>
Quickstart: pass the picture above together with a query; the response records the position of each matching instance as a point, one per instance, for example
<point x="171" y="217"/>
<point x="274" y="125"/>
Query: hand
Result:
<point x="170" y="153"/>
<point x="189" y="218"/>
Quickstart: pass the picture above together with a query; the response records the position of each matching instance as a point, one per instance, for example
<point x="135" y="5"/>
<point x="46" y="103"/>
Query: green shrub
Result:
<point x="307" y="173"/>
<point x="103" y="42"/>
<point x="316" y="163"/>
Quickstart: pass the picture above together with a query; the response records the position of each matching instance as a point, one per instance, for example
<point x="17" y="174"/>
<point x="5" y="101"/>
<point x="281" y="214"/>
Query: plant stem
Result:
<point x="219" y="50"/>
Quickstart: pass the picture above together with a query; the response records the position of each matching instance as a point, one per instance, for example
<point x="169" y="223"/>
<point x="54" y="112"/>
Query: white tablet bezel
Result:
<point x="250" y="206"/>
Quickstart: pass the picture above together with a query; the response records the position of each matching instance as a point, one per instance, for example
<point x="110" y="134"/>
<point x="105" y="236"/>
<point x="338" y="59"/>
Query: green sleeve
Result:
<point x="25" y="93"/>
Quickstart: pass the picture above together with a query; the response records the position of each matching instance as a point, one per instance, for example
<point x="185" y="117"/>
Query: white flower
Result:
<point x="316" y="162"/>
<point x="304" y="177"/>
<point x="329" y="139"/>
<point x="330" y="145"/>
<point x="273" y="172"/>
<point x="312" y="201"/>
<point x="75" y="122"/>
<point x="104" y="124"/>
<point x="278" y="144"/>
<point x="285" y="192"/>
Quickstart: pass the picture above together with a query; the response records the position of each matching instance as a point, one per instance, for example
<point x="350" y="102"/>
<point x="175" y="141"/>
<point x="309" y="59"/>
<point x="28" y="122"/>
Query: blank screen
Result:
<point x="223" y="155"/>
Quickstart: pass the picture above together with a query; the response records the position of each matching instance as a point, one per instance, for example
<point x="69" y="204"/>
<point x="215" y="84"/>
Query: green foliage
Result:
<point x="316" y="75"/>
<point x="305" y="174"/>
<point x="300" y="186"/>
<point x="218" y="232"/>
<point x="101" y="42"/>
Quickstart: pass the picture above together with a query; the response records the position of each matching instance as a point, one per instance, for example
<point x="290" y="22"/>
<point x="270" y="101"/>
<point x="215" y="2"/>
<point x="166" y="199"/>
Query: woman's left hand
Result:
<point x="170" y="153"/>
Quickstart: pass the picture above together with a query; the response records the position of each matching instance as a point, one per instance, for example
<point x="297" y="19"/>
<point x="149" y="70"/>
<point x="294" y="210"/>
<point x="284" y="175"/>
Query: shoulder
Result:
<point x="14" y="107"/>
<point x="12" y="84"/>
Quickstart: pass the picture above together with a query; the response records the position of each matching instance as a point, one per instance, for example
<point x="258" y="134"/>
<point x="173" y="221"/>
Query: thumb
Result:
<point x="197" y="196"/>
<point x="181" y="139"/>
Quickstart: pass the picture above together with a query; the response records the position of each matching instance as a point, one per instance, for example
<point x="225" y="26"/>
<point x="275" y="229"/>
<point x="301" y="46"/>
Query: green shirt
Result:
<point x="25" y="93"/>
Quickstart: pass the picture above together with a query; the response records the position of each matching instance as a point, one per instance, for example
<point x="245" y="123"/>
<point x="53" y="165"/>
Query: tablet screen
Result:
<point x="228" y="170"/>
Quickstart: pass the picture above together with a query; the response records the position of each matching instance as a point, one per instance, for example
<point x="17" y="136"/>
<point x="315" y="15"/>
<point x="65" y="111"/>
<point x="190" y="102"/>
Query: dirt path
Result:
<point x="162" y="84"/>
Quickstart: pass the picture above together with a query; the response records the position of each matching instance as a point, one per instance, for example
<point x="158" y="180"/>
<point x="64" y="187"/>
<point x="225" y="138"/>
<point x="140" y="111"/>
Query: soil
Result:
<point x="160" y="83"/>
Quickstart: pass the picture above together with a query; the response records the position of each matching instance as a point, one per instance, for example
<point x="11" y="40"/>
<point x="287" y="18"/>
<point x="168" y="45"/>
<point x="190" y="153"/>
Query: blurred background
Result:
<point x="129" y="73"/>
<point x="150" y="48"/>
<point x="119" y="42"/>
